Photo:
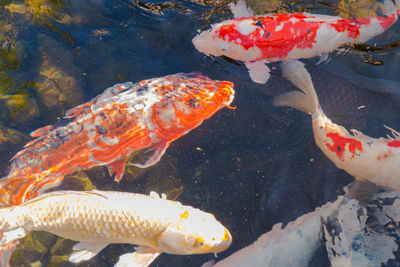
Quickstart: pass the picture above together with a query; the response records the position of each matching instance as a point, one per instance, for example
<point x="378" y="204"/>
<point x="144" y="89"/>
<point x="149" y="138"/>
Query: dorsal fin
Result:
<point x="94" y="193"/>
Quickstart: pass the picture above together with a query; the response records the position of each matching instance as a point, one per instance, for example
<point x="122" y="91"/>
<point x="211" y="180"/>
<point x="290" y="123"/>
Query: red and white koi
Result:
<point x="367" y="159"/>
<point x="104" y="131"/>
<point x="98" y="218"/>
<point x="258" y="40"/>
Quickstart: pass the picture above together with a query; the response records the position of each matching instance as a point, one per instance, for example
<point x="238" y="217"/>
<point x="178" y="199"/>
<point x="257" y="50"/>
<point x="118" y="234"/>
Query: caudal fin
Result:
<point x="15" y="190"/>
<point x="307" y="100"/>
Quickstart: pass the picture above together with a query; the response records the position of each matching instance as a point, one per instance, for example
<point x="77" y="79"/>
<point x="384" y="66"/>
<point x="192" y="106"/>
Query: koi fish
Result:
<point x="345" y="227"/>
<point x="376" y="160"/>
<point x="98" y="218"/>
<point x="125" y="118"/>
<point x="258" y="40"/>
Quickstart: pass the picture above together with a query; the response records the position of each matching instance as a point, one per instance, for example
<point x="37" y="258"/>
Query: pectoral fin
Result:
<point x="159" y="151"/>
<point x="259" y="72"/>
<point x="12" y="235"/>
<point x="85" y="251"/>
<point x="117" y="169"/>
<point x="142" y="257"/>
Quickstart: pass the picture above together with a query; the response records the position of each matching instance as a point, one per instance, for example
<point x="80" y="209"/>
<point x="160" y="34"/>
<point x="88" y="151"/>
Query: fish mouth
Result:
<point x="231" y="97"/>
<point x="224" y="244"/>
<point x="229" y="91"/>
<point x="197" y="42"/>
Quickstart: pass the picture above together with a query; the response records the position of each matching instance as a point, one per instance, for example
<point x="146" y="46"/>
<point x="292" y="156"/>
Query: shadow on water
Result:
<point x="251" y="167"/>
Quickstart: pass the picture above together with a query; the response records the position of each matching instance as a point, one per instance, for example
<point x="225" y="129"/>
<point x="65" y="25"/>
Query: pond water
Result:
<point x="251" y="167"/>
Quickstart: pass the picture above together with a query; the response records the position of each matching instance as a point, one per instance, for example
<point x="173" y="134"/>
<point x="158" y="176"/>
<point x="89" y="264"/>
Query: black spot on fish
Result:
<point x="142" y="89"/>
<point x="103" y="115"/>
<point x="194" y="102"/>
<point x="338" y="148"/>
<point x="54" y="143"/>
<point x="259" y="24"/>
<point x="369" y="143"/>
<point x="101" y="129"/>
<point x="357" y="243"/>
<point x="267" y="35"/>
<point x="61" y="135"/>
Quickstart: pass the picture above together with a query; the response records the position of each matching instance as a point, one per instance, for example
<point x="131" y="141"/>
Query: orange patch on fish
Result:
<point x="385" y="155"/>
<point x="184" y="215"/>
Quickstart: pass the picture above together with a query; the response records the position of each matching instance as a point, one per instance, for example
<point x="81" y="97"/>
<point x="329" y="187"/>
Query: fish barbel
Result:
<point x="258" y="40"/>
<point x="367" y="159"/>
<point x="98" y="218"/>
<point x="104" y="131"/>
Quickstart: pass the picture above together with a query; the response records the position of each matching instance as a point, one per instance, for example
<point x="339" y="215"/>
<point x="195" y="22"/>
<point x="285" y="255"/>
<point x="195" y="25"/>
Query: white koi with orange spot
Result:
<point x="367" y="159"/>
<point x="98" y="218"/>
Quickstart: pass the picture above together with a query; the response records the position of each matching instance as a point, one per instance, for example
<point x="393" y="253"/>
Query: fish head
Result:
<point x="232" y="38"/>
<point x="187" y="101"/>
<point x="196" y="232"/>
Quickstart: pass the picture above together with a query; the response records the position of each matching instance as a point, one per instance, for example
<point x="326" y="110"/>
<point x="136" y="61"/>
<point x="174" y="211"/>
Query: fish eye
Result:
<point x="200" y="242"/>
<point x="194" y="102"/>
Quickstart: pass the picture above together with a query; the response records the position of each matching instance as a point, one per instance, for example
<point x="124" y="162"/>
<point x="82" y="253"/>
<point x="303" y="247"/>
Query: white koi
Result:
<point x="98" y="218"/>
<point x="341" y="226"/>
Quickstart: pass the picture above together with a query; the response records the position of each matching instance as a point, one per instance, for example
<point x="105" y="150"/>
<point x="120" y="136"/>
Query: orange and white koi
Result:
<point x="258" y="40"/>
<point x="98" y="218"/>
<point x="367" y="159"/>
<point x="104" y="131"/>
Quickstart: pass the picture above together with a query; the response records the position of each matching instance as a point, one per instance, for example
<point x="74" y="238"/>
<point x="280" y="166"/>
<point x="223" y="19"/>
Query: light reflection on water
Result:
<point x="257" y="166"/>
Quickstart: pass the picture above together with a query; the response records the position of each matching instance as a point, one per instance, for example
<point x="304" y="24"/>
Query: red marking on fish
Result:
<point x="106" y="130"/>
<point x="346" y="25"/>
<point x="394" y="143"/>
<point x="340" y="143"/>
<point x="293" y="32"/>
<point x="278" y="34"/>
<point x="388" y="21"/>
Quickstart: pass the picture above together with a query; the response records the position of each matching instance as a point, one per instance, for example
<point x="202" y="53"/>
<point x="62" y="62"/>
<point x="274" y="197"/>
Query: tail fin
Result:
<point x="306" y="101"/>
<point x="15" y="190"/>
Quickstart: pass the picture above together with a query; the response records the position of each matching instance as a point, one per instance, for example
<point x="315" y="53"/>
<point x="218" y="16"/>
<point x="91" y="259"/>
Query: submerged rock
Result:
<point x="358" y="8"/>
<point x="57" y="86"/>
<point x="32" y="249"/>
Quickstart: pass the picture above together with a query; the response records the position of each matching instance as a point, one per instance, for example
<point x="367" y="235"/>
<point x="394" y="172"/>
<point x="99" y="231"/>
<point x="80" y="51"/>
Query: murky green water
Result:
<point x="251" y="167"/>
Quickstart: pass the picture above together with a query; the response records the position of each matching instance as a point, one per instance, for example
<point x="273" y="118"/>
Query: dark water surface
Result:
<point x="251" y="167"/>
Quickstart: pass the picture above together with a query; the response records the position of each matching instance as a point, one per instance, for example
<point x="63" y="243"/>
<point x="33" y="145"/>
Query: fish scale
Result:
<point x="84" y="217"/>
